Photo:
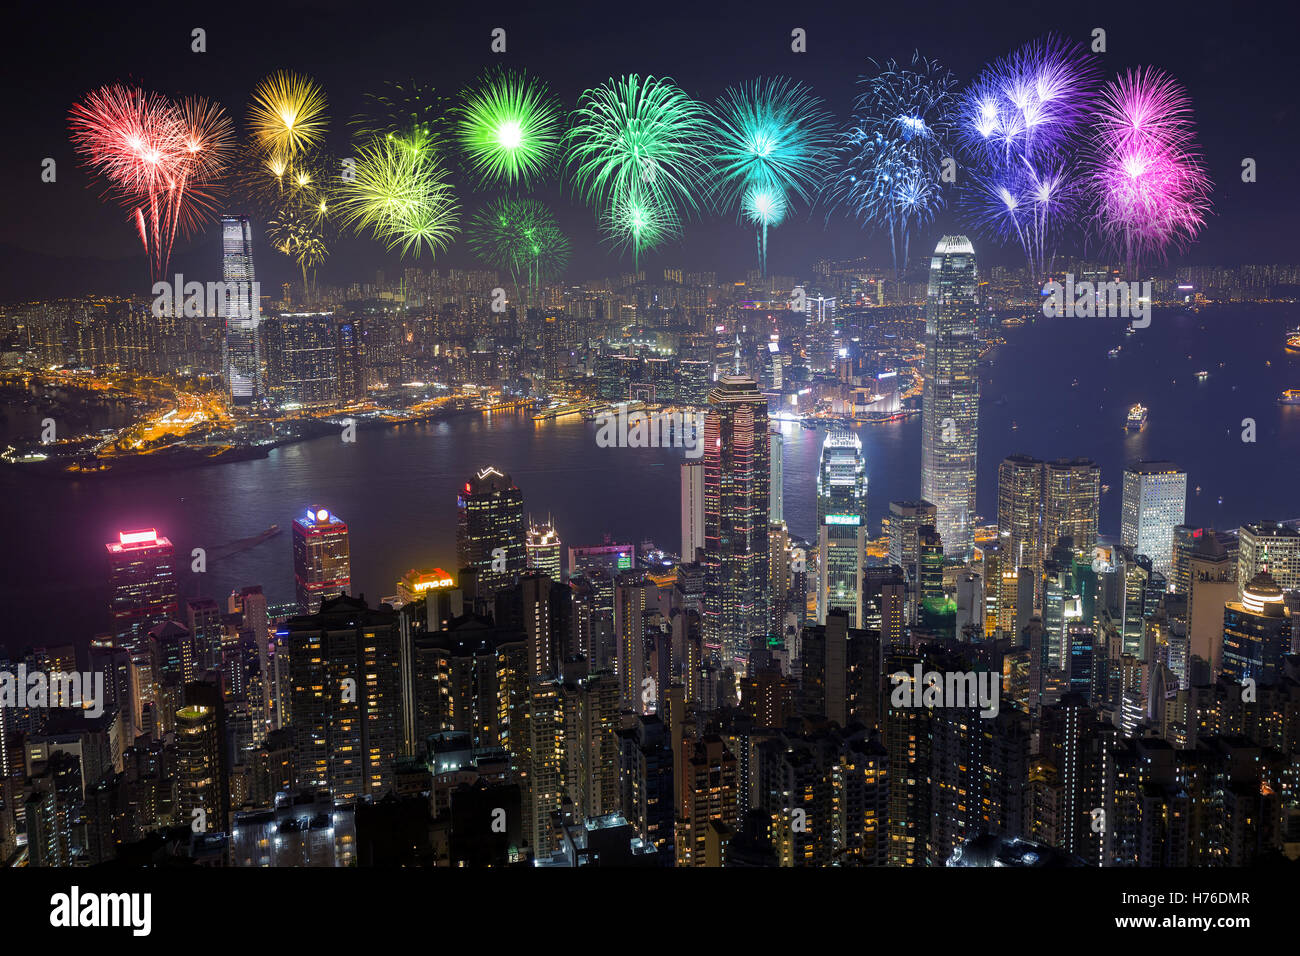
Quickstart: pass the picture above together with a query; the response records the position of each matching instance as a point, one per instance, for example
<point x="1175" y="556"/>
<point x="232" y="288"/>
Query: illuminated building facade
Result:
<point x="736" y="502"/>
<point x="1271" y="546"/>
<point x="543" y="549"/>
<point x="322" y="562"/>
<point x="841" y="525"/>
<point x="1155" y="500"/>
<point x="490" y="536"/>
<point x="142" y="582"/>
<point x="950" y="394"/>
<point x="241" y="357"/>
<point x="1256" y="633"/>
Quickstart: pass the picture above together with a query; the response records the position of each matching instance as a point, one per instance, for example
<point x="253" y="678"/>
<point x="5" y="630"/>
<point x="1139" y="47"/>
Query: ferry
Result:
<point x="1137" y="417"/>
<point x="1290" y="397"/>
<point x="1114" y="353"/>
<point x="1293" y="340"/>
<point x="1202" y="376"/>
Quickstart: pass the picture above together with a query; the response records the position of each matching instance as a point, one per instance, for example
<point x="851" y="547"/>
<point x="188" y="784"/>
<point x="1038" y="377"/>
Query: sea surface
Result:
<point x="1051" y="391"/>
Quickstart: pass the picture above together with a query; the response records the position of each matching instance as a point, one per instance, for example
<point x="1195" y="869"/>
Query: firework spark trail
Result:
<point x="889" y="158"/>
<point x="1023" y="125"/>
<point x="1149" y="186"/>
<point x="401" y="195"/>
<point x="636" y="153"/>
<point x="164" y="161"/>
<point x="410" y="110"/>
<point x="520" y="235"/>
<point x="771" y="140"/>
<point x="509" y="129"/>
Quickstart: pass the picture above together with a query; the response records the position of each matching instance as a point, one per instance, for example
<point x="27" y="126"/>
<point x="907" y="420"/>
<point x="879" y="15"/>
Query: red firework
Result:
<point x="162" y="160"/>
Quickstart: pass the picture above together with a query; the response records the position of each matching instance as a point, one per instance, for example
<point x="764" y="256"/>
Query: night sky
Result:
<point x="1235" y="60"/>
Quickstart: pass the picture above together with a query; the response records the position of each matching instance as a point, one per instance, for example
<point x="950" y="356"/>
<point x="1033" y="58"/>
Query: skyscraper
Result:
<point x="302" y="354"/>
<point x="776" y="489"/>
<point x="490" y="536"/>
<point x="736" y="502"/>
<point x="1020" y="531"/>
<point x="1268" y="545"/>
<point x="241" y="356"/>
<point x="950" y="394"/>
<point x="142" y="581"/>
<point x="905" y="518"/>
<point x="543" y="549"/>
<point x="1155" y="498"/>
<point x="692" y="509"/>
<point x="322" y="561"/>
<point x="841" y="525"/>
<point x="1256" y="633"/>
<point x="1071" y="503"/>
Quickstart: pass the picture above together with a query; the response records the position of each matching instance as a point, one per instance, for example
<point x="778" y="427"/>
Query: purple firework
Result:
<point x="1022" y="122"/>
<point x="1148" y="183"/>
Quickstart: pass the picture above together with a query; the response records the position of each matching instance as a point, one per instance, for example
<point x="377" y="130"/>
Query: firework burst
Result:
<point x="889" y="158"/>
<point x="771" y="140"/>
<point x="521" y="237"/>
<point x="164" y="161"/>
<point x="1148" y="182"/>
<point x="401" y="196"/>
<point x="636" y="153"/>
<point x="410" y="111"/>
<point x="509" y="129"/>
<point x="1022" y="125"/>
<point x="287" y="115"/>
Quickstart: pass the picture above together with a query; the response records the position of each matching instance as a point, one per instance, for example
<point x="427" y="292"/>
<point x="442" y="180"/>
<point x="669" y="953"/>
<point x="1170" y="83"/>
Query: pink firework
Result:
<point x="162" y="161"/>
<point x="1150" y="188"/>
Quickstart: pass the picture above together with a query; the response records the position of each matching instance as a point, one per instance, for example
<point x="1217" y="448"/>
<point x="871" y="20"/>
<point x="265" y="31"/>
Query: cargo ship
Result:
<point x="1137" y="417"/>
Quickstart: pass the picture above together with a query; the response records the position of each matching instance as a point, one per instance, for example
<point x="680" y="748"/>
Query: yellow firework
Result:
<point x="287" y="115"/>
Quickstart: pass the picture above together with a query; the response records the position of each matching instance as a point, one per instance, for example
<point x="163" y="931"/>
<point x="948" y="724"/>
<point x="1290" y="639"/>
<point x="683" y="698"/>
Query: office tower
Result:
<point x="1211" y="584"/>
<point x="490" y="535"/>
<point x="1071" y="503"/>
<point x="203" y="619"/>
<point x="322" y="561"/>
<point x="1257" y="633"/>
<point x="301" y="359"/>
<point x="692" y="509"/>
<point x="841" y="525"/>
<point x="1268" y="546"/>
<point x="950" y="394"/>
<point x="345" y="697"/>
<point x="905" y="518"/>
<point x="350" y="338"/>
<point x="1020" y="532"/>
<point x="241" y="358"/>
<point x="543" y="549"/>
<point x="631" y="601"/>
<point x="736" y="476"/>
<point x="824" y="688"/>
<point x="1155" y="498"/>
<point x="142" y="584"/>
<point x="929" y="570"/>
<point x="776" y="487"/>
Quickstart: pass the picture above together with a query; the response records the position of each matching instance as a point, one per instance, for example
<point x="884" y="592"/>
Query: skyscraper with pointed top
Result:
<point x="950" y="394"/>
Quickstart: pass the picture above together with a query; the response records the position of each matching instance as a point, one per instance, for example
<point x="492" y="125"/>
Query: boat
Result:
<point x="1130" y="331"/>
<point x="1293" y="340"/>
<point x="1202" y="376"/>
<point x="1114" y="353"/>
<point x="1137" y="417"/>
<point x="1290" y="397"/>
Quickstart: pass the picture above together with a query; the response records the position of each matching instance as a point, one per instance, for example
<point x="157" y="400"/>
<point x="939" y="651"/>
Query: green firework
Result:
<point x="399" y="193"/>
<point x="638" y="141"/>
<point x="409" y="111"/>
<point x="509" y="129"/>
<point x="639" y="222"/>
<point x="520" y="236"/>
